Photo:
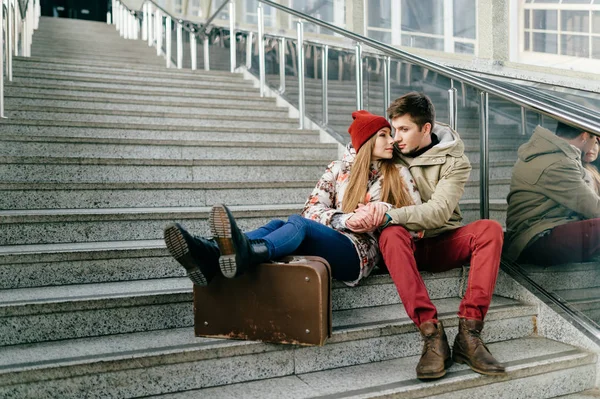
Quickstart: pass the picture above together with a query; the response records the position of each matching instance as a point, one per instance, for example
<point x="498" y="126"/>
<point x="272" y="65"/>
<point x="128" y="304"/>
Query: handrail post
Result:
<point x="261" y="49"/>
<point x="249" y="50"/>
<point x="150" y="25"/>
<point x="145" y="22"/>
<point x="232" y="37"/>
<point x="1" y="62"/>
<point x="324" y="79"/>
<point x="158" y="32"/>
<point x="453" y="106"/>
<point x="300" y="50"/>
<point x="179" y="45"/>
<point x="484" y="167"/>
<point x="206" y="48"/>
<point x="359" y="77"/>
<point x="387" y="63"/>
<point x="168" y="31"/>
<point x="193" y="51"/>
<point x="9" y="42"/>
<point x="523" y="121"/>
<point x="282" y="65"/>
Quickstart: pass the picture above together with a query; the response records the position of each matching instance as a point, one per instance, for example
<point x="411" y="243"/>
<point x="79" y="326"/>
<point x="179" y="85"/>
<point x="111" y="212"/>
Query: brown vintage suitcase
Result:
<point x="288" y="302"/>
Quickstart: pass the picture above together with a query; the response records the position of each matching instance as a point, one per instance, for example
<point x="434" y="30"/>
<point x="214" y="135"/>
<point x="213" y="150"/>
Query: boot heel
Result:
<point x="228" y="265"/>
<point x="458" y="359"/>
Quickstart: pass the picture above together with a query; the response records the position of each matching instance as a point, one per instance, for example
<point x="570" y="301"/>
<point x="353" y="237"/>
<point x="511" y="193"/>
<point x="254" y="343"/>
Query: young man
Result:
<point x="434" y="154"/>
<point x="553" y="214"/>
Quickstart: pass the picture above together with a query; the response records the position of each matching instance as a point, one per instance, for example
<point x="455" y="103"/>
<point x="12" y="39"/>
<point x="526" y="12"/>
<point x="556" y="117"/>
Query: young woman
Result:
<point x="592" y="177"/>
<point x="351" y="195"/>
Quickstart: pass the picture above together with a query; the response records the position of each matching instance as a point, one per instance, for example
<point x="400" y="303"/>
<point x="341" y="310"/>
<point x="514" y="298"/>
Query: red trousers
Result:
<point x="479" y="242"/>
<point x="571" y="242"/>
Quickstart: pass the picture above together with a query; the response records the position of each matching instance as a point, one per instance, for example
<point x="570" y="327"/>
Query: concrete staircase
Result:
<point x="103" y="147"/>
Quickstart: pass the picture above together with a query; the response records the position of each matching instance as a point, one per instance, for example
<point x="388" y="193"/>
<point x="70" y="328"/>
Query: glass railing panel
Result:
<point x="373" y="84"/>
<point x="552" y="215"/>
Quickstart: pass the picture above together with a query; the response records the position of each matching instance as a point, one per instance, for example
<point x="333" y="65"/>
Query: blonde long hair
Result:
<point x="393" y="189"/>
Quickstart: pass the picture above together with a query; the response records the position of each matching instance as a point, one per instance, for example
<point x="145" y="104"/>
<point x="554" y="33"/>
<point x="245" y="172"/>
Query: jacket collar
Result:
<point x="450" y="145"/>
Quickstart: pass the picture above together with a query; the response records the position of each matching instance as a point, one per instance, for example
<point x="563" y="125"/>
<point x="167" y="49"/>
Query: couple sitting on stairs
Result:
<point x="392" y="198"/>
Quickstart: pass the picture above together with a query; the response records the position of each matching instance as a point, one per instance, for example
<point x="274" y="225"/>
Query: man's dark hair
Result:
<point x="417" y="105"/>
<point x="567" y="132"/>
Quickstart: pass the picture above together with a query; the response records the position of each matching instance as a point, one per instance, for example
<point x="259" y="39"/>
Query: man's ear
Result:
<point x="427" y="128"/>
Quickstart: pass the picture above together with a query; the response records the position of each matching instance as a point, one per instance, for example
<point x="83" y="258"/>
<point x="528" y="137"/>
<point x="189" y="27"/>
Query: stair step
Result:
<point x="54" y="169"/>
<point x="74" y="103"/>
<point x="24" y="61"/>
<point x="163" y="149"/>
<point x="156" y="132"/>
<point x="132" y="307"/>
<point x="149" y="88"/>
<point x="538" y="365"/>
<point x="130" y="78"/>
<point x="137" y="118"/>
<point x="121" y="195"/>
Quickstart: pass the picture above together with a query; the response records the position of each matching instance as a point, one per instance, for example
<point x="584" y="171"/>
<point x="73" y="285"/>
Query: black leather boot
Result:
<point x="199" y="256"/>
<point x="238" y="253"/>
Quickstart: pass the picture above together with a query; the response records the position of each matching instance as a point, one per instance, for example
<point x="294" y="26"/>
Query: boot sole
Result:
<point x="435" y="376"/>
<point x="220" y="228"/>
<point x="462" y="360"/>
<point x="178" y="248"/>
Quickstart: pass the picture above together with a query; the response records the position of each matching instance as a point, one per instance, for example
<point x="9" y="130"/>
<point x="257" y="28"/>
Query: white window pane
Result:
<point x="575" y="21"/>
<point x="423" y="42"/>
<point x="527" y="17"/>
<point x="465" y="18"/>
<point x="385" y="37"/>
<point x="322" y="9"/>
<point x="545" y="19"/>
<point x="464" y="48"/>
<point x="576" y="1"/>
<point x="545" y="42"/>
<point x="596" y="47"/>
<point x="379" y="13"/>
<point x="426" y="16"/>
<point x="526" y="43"/>
<point x="576" y="46"/>
<point x="596" y="22"/>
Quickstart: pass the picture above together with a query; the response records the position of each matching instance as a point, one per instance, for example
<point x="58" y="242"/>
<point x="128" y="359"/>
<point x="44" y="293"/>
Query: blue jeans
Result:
<point x="301" y="236"/>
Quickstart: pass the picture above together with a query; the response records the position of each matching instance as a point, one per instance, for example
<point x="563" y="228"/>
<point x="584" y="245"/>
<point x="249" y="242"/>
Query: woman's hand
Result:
<point x="376" y="209"/>
<point x="360" y="222"/>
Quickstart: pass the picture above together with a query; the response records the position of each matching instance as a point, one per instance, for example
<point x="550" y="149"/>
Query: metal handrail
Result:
<point x="206" y="25"/>
<point x="490" y="88"/>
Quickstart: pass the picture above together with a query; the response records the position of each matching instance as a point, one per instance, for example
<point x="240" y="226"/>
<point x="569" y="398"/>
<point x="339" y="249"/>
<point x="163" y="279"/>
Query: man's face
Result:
<point x="407" y="135"/>
<point x="589" y="144"/>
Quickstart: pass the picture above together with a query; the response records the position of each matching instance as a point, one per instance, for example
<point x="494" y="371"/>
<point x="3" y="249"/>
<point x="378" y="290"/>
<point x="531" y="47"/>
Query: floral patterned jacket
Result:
<point x="324" y="205"/>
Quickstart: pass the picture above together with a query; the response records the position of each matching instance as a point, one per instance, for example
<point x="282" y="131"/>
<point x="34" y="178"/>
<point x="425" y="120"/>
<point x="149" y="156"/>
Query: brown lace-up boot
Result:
<point x="435" y="358"/>
<point x="470" y="349"/>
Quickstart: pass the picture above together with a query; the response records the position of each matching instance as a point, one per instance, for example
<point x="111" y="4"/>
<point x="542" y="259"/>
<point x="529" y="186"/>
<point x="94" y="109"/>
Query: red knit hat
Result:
<point x="364" y="126"/>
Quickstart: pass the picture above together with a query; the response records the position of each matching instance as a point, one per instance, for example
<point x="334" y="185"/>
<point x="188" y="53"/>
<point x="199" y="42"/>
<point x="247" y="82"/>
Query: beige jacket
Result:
<point x="440" y="175"/>
<point x="547" y="189"/>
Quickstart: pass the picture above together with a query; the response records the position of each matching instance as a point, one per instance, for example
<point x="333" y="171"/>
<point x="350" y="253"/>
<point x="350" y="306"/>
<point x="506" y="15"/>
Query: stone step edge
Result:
<point x="122" y="75"/>
<point x="203" y="350"/>
<point x="452" y="383"/>
<point x="156" y="162"/>
<point x="282" y="118"/>
<point x="167" y="213"/>
<point x="170" y="72"/>
<point x="253" y="94"/>
<point x="149" y="102"/>
<point x="167" y="128"/>
<point x="166" y="85"/>
<point x="46" y="186"/>
<point x="178" y="162"/>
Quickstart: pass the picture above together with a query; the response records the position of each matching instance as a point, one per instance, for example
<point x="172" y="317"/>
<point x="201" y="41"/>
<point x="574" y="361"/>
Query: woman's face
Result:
<point x="384" y="145"/>
<point x="592" y="154"/>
